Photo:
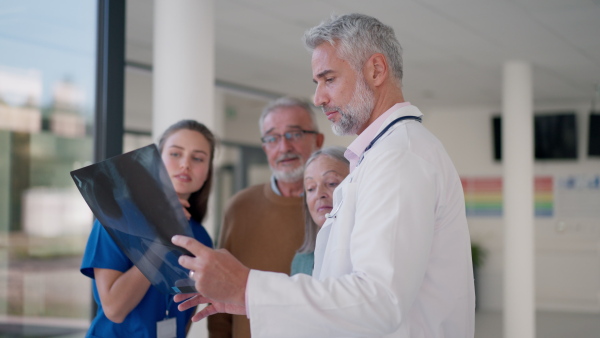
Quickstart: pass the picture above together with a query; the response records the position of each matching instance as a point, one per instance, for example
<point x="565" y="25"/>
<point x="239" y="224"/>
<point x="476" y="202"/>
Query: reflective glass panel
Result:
<point x="47" y="89"/>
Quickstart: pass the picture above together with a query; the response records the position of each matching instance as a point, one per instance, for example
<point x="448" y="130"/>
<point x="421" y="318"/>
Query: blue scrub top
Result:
<point x="102" y="252"/>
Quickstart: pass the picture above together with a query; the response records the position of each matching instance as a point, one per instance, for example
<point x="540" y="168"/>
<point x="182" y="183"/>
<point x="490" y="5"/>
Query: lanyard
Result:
<point x="417" y="118"/>
<point x="169" y="303"/>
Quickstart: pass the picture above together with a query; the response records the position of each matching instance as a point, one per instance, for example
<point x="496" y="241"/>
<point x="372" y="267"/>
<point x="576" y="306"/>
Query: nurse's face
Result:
<point x="186" y="155"/>
<point x="321" y="177"/>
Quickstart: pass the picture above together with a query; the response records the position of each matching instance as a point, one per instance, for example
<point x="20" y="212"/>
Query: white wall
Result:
<point x="567" y="248"/>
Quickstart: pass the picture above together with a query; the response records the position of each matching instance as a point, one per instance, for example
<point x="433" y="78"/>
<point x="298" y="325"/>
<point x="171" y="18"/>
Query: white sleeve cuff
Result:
<point x="248" y="293"/>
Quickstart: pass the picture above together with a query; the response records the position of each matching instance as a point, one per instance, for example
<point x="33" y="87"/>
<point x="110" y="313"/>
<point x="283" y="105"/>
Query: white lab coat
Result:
<point x="393" y="259"/>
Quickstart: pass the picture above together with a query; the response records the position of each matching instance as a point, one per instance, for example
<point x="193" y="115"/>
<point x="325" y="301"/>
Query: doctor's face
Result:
<point x="186" y="155"/>
<point x="321" y="177"/>
<point x="342" y="92"/>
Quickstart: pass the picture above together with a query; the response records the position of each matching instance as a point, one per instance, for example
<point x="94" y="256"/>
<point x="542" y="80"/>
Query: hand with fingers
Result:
<point x="219" y="278"/>
<point x="192" y="300"/>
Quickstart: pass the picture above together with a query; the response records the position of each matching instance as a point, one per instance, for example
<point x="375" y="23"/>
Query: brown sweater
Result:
<point x="263" y="230"/>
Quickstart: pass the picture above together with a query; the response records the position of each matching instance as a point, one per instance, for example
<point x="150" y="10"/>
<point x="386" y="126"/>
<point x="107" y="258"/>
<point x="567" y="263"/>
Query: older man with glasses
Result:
<point x="263" y="225"/>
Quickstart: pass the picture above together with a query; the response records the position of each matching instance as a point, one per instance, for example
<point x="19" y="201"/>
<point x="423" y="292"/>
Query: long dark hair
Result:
<point x="199" y="199"/>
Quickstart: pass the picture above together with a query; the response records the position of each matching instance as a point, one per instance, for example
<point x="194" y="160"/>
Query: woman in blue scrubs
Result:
<point x="128" y="305"/>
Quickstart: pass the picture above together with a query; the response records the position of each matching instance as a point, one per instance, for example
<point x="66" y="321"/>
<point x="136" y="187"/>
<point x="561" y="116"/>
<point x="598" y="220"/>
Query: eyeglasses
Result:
<point x="292" y="136"/>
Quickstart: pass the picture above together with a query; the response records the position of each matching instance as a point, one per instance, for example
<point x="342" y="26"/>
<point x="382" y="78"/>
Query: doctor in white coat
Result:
<point x="393" y="258"/>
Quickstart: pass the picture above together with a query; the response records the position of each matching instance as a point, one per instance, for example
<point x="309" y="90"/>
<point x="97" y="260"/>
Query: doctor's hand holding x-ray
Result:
<point x="220" y="280"/>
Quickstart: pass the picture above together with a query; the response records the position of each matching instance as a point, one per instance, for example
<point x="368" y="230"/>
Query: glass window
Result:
<point x="47" y="95"/>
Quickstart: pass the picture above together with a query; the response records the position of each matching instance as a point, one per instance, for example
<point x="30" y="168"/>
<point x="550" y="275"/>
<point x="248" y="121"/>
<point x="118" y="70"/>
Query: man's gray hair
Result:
<point x="357" y="37"/>
<point x="288" y="102"/>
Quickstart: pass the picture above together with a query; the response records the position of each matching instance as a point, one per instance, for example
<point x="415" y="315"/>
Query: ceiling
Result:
<point x="454" y="51"/>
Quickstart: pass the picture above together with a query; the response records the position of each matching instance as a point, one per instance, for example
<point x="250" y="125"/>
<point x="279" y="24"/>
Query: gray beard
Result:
<point x="357" y="112"/>
<point x="294" y="175"/>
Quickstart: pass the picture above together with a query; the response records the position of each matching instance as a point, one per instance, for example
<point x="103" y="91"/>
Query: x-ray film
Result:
<point x="134" y="199"/>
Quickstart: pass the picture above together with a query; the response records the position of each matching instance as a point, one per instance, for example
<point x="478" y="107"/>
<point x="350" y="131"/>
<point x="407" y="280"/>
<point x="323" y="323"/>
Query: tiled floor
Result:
<point x="14" y="327"/>
<point x="488" y="324"/>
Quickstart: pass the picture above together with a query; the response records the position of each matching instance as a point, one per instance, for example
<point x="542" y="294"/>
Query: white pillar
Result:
<point x="183" y="66"/>
<point x="184" y="73"/>
<point x="517" y="157"/>
<point x="210" y="222"/>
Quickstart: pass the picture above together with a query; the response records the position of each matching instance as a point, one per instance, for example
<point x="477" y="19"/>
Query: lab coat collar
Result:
<point x="357" y="147"/>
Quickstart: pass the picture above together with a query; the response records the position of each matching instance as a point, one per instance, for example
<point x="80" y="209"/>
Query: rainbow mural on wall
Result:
<point x="544" y="196"/>
<point x="483" y="196"/>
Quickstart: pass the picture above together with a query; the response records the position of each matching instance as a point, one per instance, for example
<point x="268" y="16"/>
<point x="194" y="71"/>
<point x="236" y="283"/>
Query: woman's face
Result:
<point x="321" y="177"/>
<point x="186" y="155"/>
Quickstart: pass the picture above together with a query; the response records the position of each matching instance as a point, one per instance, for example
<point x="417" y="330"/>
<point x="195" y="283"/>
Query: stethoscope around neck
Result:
<point x="381" y="133"/>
